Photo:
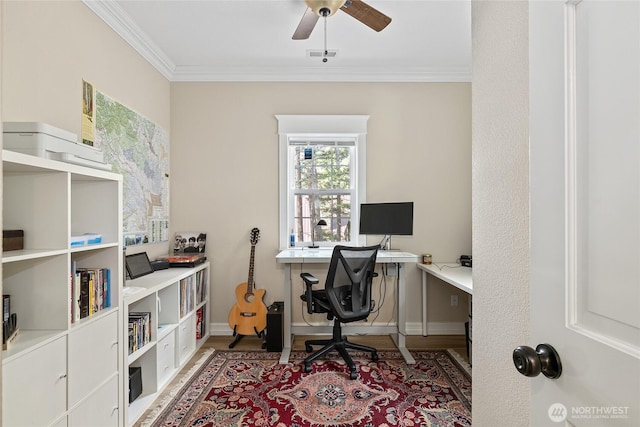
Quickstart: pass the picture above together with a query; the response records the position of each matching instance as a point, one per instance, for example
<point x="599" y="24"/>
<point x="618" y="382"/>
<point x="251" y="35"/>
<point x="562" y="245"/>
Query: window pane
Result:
<point x="335" y="209"/>
<point x="322" y="167"/>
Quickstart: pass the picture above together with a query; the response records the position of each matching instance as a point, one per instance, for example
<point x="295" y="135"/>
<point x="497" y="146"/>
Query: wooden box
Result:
<point x="12" y="240"/>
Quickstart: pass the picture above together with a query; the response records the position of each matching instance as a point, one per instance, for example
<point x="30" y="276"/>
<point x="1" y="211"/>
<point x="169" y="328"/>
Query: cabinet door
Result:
<point x="93" y="356"/>
<point x="187" y="338"/>
<point x="101" y="409"/>
<point x="37" y="379"/>
<point x="166" y="358"/>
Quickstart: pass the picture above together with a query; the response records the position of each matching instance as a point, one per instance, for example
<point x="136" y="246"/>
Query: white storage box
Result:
<point x="43" y="140"/>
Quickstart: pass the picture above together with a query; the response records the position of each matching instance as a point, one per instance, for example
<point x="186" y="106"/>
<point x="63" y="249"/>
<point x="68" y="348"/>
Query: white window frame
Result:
<point x="336" y="127"/>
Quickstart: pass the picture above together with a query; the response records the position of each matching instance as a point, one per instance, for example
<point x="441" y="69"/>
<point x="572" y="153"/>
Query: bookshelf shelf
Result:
<point x="93" y="247"/>
<point x="70" y="363"/>
<point x="140" y="352"/>
<point x="29" y="340"/>
<point x="25" y="254"/>
<point x="165" y="329"/>
<point x="170" y="297"/>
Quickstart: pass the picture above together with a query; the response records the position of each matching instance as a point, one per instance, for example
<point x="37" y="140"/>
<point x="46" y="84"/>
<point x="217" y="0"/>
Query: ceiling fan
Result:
<point x="324" y="8"/>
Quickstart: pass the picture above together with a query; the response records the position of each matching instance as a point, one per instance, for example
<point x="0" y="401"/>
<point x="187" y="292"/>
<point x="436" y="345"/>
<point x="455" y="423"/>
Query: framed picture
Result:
<point x="189" y="242"/>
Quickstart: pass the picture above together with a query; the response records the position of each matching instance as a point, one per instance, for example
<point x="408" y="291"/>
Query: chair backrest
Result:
<point x="348" y="284"/>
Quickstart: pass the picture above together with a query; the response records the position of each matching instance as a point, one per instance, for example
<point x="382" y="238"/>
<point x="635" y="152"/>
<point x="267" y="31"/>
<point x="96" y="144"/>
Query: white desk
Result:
<point x="323" y="256"/>
<point x="452" y="273"/>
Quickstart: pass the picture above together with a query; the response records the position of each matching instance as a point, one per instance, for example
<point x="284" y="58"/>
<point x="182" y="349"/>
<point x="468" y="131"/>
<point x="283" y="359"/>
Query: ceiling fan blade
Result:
<point x="306" y="25"/>
<point x="366" y="14"/>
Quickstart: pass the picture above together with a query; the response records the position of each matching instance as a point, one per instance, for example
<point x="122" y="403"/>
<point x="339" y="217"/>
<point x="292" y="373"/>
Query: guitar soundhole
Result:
<point x="249" y="298"/>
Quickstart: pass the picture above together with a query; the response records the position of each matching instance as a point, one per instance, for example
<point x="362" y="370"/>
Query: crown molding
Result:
<point x="317" y="74"/>
<point x="116" y="18"/>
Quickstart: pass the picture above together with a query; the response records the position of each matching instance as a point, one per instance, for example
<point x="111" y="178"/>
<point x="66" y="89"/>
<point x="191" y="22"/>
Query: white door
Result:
<point x="585" y="209"/>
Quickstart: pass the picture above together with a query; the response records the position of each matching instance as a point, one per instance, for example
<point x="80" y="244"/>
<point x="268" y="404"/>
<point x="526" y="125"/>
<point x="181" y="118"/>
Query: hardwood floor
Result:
<point x="381" y="342"/>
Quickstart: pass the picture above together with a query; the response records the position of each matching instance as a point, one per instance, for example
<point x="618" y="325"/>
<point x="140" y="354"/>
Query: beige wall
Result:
<point x="224" y="160"/>
<point x="49" y="47"/>
<point x="501" y="396"/>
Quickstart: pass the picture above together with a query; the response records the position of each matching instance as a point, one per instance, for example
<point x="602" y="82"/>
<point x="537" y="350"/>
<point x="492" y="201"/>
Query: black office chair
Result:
<point x="346" y="298"/>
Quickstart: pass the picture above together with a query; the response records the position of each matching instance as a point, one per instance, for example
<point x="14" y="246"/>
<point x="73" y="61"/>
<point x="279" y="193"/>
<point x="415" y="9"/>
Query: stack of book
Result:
<point x="201" y="286"/>
<point x="139" y="330"/>
<point x="187" y="299"/>
<point x="91" y="292"/>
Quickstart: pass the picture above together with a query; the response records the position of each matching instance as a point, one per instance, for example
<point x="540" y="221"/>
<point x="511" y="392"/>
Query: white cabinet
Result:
<point x="167" y="357"/>
<point x="60" y="362"/>
<point x="93" y="356"/>
<point x="174" y="300"/>
<point x="36" y="379"/>
<point x="186" y="337"/>
<point x="100" y="409"/>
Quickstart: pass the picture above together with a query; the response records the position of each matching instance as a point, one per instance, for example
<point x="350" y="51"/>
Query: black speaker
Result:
<point x="275" y="326"/>
<point x="160" y="264"/>
<point x="135" y="382"/>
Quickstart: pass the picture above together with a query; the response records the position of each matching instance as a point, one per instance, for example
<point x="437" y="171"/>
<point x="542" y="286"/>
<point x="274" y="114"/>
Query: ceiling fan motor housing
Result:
<point x="325" y="8"/>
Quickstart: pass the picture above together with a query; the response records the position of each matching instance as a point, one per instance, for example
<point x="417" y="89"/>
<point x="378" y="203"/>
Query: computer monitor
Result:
<point x="387" y="219"/>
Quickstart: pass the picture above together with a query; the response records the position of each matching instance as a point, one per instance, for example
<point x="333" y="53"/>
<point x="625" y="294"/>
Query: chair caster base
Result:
<point x="308" y="349"/>
<point x="353" y="375"/>
<point x="374" y="357"/>
<point x="306" y="368"/>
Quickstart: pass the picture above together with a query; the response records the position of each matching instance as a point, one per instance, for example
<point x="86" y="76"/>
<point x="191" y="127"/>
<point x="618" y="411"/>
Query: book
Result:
<point x="84" y="300"/>
<point x="107" y="288"/>
<point x="139" y="330"/>
<point x="93" y="291"/>
<point x="6" y="307"/>
<point x="76" y="297"/>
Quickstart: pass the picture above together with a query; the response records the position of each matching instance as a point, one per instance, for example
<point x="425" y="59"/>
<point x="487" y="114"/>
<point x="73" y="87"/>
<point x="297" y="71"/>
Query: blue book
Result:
<point x="107" y="288"/>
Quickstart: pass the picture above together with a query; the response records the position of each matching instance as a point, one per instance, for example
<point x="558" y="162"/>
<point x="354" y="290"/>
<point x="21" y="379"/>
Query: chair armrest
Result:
<point x="309" y="281"/>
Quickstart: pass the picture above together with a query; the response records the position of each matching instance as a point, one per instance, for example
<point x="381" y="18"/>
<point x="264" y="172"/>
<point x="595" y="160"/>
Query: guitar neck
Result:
<point x="251" y="264"/>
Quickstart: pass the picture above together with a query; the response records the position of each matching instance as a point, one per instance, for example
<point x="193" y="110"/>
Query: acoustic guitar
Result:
<point x="249" y="315"/>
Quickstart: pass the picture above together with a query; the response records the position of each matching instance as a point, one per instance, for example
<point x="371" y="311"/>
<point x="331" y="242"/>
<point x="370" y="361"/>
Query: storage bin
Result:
<point x="135" y="382"/>
<point x="12" y="240"/>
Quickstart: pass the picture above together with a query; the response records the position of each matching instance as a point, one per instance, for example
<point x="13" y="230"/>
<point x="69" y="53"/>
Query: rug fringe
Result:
<point x="160" y="406"/>
<point x="461" y="361"/>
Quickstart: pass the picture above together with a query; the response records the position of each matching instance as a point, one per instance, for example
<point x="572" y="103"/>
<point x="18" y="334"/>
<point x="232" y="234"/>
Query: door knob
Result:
<point x="544" y="358"/>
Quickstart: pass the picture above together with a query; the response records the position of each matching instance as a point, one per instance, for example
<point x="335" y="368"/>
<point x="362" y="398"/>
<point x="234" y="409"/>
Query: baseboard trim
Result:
<point x="412" y="328"/>
<point x="444" y="328"/>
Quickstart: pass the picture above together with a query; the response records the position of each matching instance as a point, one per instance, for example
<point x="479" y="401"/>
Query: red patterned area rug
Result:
<point x="251" y="389"/>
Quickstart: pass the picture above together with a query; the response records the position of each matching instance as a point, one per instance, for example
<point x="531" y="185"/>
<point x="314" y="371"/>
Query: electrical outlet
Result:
<point x="454" y="300"/>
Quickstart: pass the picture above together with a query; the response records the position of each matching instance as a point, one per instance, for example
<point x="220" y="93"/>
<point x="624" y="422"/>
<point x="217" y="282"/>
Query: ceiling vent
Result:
<point x="319" y="53"/>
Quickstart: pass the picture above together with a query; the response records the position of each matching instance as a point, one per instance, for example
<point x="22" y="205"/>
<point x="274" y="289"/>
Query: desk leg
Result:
<point x="286" y="344"/>
<point x="399" y="338"/>
<point x="424" y="303"/>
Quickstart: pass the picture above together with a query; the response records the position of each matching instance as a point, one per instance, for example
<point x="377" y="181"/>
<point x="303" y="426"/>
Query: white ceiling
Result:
<point x="250" y="40"/>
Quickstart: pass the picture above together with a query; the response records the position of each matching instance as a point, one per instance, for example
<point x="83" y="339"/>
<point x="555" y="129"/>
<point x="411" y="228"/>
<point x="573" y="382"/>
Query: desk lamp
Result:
<point x="322" y="222"/>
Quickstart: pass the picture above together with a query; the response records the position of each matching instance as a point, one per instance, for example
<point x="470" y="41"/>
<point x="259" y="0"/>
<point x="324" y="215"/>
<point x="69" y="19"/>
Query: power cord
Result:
<point x="440" y="267"/>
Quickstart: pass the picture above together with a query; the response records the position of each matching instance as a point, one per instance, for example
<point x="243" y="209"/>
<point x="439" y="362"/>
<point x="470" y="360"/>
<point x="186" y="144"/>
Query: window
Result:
<point x="322" y="161"/>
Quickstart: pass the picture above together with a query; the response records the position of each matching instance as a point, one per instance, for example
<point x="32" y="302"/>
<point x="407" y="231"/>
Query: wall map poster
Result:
<point x="139" y="150"/>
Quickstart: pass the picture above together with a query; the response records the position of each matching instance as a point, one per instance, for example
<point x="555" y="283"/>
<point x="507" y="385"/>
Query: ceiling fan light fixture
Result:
<point x="325" y="8"/>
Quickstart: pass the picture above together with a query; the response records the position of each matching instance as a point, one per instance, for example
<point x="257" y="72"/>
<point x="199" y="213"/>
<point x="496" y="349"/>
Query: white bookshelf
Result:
<point x="73" y="369"/>
<point x="172" y="298"/>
